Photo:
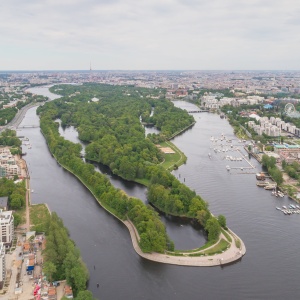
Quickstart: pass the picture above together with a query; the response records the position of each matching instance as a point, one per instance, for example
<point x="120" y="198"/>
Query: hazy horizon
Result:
<point x="150" y="70"/>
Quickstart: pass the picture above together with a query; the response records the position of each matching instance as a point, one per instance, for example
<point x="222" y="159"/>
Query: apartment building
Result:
<point x="6" y="227"/>
<point x="8" y="165"/>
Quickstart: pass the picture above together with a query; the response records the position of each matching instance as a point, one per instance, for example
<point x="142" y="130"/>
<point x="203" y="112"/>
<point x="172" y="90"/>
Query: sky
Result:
<point x="150" y="34"/>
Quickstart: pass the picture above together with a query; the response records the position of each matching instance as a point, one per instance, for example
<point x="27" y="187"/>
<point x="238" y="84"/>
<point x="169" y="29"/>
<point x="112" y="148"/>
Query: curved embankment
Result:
<point x="232" y="254"/>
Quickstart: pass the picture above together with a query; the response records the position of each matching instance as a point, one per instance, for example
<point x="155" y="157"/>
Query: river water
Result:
<point x="269" y="270"/>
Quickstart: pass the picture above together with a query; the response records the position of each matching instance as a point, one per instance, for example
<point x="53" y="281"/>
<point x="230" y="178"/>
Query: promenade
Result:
<point x="232" y="254"/>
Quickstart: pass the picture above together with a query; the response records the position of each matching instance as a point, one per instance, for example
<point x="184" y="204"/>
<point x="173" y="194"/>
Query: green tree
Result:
<point x="222" y="221"/>
<point x="276" y="175"/>
<point x="85" y="295"/>
<point x="16" y="201"/>
<point x="202" y="217"/>
<point x="79" y="280"/>
<point x="49" y="269"/>
<point x="17" y="219"/>
<point x="213" y="228"/>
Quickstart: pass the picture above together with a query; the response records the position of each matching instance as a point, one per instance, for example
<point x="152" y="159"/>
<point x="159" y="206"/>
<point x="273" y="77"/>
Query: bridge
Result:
<point x="198" y="111"/>
<point x="29" y="126"/>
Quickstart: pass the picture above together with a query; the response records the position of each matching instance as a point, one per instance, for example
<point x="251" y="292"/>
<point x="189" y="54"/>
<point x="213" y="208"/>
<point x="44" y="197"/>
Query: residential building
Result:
<point x="6" y="227"/>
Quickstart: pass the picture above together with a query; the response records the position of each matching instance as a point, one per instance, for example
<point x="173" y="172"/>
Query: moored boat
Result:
<point x="262" y="183"/>
<point x="260" y="176"/>
<point x="270" y="187"/>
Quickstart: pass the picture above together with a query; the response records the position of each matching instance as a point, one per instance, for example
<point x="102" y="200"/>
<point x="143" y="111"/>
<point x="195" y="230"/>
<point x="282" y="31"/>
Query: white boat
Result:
<point x="32" y="191"/>
<point x="280" y="194"/>
<point x="228" y="168"/>
<point x="270" y="187"/>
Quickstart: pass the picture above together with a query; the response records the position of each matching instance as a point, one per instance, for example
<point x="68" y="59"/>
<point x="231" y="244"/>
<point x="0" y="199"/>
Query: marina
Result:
<point x="290" y="210"/>
<point x="237" y="151"/>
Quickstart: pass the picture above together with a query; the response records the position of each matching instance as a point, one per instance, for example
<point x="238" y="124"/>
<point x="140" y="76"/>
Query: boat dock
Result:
<point x="290" y="210"/>
<point x="223" y="144"/>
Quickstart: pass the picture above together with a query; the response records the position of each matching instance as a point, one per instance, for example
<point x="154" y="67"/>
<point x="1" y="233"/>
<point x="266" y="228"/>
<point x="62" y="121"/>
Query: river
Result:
<point x="269" y="269"/>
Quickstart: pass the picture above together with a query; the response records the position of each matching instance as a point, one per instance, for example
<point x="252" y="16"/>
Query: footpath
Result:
<point x="232" y="254"/>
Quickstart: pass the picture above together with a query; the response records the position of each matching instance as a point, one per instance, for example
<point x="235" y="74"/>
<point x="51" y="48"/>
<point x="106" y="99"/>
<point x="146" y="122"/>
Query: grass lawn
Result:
<point x="208" y="244"/>
<point x="39" y="216"/>
<point x="22" y="213"/>
<point x="226" y="234"/>
<point x="170" y="160"/>
<point x="221" y="246"/>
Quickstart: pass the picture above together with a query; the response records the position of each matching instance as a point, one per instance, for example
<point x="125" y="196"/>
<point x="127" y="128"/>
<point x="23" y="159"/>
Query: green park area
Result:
<point x="172" y="160"/>
<point x="39" y="217"/>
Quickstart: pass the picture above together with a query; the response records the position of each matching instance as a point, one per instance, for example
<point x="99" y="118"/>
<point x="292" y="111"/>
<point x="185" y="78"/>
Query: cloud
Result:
<point x="174" y="34"/>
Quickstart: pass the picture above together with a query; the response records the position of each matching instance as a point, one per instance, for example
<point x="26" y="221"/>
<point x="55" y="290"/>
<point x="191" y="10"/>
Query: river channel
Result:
<point x="269" y="270"/>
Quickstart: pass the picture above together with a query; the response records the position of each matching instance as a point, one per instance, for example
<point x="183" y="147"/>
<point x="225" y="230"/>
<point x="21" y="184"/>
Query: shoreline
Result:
<point x="229" y="256"/>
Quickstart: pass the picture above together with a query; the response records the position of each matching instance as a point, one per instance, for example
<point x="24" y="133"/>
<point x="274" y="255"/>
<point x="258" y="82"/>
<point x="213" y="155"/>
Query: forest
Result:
<point x="16" y="193"/>
<point x="62" y="258"/>
<point x="9" y="138"/>
<point x="151" y="230"/>
<point x="108" y="118"/>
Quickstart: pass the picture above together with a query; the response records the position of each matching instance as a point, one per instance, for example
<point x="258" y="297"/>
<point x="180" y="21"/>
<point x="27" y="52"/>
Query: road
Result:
<point x="16" y="121"/>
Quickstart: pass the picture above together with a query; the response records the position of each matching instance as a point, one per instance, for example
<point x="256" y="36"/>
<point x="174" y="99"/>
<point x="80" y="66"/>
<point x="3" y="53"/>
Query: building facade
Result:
<point x="7" y="227"/>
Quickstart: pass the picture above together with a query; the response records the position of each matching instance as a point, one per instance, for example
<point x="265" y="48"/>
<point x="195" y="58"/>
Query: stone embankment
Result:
<point x="232" y="254"/>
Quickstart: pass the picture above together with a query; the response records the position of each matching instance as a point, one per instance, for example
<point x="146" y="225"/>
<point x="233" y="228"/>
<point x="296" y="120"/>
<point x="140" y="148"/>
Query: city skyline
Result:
<point x="150" y="35"/>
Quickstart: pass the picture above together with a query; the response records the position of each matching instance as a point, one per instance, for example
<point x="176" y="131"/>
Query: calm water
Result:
<point x="268" y="271"/>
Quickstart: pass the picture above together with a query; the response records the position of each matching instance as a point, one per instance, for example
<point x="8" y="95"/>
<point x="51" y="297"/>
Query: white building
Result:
<point x="210" y="102"/>
<point x="2" y="265"/>
<point x="6" y="227"/>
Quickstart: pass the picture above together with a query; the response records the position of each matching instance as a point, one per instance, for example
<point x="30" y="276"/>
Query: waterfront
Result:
<point x="269" y="236"/>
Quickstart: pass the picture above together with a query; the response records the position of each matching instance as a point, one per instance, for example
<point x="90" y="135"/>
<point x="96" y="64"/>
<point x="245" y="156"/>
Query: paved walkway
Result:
<point x="230" y="255"/>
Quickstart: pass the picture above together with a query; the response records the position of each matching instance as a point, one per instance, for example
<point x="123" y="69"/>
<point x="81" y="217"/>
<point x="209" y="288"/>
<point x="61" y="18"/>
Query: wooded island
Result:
<point x="108" y="118"/>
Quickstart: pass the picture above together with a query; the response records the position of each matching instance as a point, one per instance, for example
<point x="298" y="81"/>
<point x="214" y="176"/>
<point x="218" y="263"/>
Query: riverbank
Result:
<point x="232" y="254"/>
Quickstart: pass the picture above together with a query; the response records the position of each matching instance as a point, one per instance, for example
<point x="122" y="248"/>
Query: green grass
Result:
<point x="228" y="237"/>
<point x="22" y="213"/>
<point x="143" y="181"/>
<point x="238" y="243"/>
<point x="218" y="248"/>
<point x="39" y="216"/>
<point x="182" y="252"/>
<point x="172" y="160"/>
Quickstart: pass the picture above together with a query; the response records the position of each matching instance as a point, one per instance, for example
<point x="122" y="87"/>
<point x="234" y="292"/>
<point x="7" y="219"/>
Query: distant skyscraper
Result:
<point x="90" y="66"/>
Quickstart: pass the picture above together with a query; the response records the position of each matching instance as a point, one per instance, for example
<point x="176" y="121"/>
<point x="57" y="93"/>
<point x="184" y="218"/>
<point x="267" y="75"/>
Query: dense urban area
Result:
<point x="262" y="107"/>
